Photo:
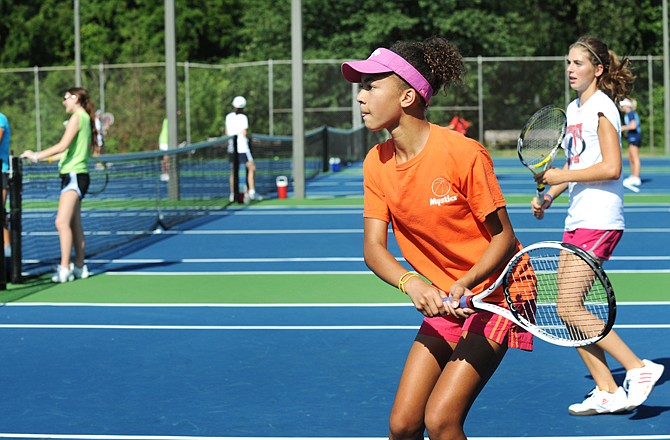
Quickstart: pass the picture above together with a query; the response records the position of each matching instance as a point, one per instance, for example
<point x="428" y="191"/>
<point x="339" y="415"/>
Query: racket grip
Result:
<point x="464" y="303"/>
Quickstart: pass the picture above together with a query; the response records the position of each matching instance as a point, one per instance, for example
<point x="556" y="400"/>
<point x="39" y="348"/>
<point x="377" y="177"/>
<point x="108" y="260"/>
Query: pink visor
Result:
<point x="382" y="61"/>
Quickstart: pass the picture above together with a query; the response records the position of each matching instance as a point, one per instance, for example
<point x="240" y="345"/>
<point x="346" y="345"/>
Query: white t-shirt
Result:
<point x="593" y="205"/>
<point x="236" y="124"/>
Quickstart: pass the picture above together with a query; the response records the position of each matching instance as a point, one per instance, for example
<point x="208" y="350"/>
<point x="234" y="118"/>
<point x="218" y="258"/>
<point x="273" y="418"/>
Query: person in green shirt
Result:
<point x="163" y="146"/>
<point x="72" y="151"/>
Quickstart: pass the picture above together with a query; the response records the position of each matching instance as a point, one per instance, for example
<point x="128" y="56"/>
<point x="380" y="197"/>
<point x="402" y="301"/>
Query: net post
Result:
<point x="324" y="139"/>
<point x="15" y="220"/>
<point x="3" y="222"/>
<point x="174" y="190"/>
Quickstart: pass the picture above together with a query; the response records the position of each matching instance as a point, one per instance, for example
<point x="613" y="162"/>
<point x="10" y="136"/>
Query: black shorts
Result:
<point x="635" y="140"/>
<point x="242" y="157"/>
<point x="79" y="184"/>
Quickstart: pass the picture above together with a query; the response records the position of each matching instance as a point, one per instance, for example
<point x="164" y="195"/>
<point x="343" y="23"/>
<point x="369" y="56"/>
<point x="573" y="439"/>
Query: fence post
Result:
<point x="187" y="104"/>
<point x="101" y="86"/>
<point x="271" y="101"/>
<point x="650" y="84"/>
<point x="480" y="97"/>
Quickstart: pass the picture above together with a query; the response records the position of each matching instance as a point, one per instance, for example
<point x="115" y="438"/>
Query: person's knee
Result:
<point x="441" y="424"/>
<point x="62" y="223"/>
<point x="405" y="426"/>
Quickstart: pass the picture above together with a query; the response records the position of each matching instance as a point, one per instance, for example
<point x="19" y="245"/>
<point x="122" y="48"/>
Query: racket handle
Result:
<point x="464" y="303"/>
<point x="540" y="192"/>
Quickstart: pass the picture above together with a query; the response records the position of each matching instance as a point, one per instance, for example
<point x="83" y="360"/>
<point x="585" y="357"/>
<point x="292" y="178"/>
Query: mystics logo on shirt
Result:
<point x="441" y="188"/>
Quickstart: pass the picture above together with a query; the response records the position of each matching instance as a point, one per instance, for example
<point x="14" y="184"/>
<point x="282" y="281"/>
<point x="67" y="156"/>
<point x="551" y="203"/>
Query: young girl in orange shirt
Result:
<point x="438" y="190"/>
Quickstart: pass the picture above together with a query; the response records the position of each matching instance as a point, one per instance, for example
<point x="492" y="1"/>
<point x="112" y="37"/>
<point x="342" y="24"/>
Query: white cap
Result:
<point x="625" y="102"/>
<point x="239" y="102"/>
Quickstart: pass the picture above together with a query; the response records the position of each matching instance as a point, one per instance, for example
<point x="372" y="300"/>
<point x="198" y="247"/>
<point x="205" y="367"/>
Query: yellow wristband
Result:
<point x="405" y="278"/>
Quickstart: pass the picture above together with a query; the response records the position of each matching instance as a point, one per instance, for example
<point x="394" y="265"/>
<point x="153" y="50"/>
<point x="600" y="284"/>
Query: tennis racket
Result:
<point x="99" y="177"/>
<point x="556" y="291"/>
<point x="540" y="140"/>
<point x="107" y="120"/>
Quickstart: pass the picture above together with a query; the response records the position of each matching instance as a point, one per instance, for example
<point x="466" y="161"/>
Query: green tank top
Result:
<point x="75" y="158"/>
<point x="163" y="137"/>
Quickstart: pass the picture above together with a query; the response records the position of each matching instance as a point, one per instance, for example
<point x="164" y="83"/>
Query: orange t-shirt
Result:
<point x="437" y="203"/>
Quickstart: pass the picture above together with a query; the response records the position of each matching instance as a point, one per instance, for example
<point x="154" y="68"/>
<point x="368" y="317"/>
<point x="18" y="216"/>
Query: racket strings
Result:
<point x="541" y="136"/>
<point x="560" y="294"/>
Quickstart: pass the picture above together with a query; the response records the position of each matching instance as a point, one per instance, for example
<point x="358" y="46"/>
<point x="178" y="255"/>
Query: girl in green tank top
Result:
<point x="73" y="150"/>
<point x="75" y="158"/>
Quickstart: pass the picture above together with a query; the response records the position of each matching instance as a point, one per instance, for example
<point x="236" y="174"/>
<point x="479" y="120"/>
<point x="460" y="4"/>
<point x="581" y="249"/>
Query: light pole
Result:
<point x="77" y="46"/>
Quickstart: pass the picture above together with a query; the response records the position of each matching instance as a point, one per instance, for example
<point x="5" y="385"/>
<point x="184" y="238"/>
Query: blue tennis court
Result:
<point x="96" y="369"/>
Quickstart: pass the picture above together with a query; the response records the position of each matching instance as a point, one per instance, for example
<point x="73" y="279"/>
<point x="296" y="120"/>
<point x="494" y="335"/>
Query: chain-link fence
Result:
<point x="498" y="95"/>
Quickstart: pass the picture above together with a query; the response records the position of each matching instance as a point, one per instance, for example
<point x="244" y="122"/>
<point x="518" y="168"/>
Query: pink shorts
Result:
<point x="598" y="242"/>
<point x="491" y="326"/>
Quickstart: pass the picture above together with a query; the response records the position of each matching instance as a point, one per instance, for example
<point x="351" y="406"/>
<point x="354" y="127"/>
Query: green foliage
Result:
<point x="40" y="33"/>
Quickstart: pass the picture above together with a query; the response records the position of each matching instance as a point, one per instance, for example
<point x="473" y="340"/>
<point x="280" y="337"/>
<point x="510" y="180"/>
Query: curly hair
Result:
<point x="617" y="78"/>
<point x="438" y="60"/>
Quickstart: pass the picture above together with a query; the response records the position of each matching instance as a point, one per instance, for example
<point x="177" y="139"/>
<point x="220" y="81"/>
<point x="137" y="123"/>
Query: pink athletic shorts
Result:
<point x="598" y="242"/>
<point x="487" y="324"/>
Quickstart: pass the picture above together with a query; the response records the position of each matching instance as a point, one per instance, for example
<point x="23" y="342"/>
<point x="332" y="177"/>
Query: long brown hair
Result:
<point x="617" y="78"/>
<point x="84" y="100"/>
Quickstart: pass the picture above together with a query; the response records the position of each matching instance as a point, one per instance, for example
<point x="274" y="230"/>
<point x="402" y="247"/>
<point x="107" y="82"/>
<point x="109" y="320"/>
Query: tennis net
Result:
<point x="130" y="197"/>
<point x="273" y="154"/>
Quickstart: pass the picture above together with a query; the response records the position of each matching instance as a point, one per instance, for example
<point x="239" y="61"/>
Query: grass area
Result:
<point x="265" y="289"/>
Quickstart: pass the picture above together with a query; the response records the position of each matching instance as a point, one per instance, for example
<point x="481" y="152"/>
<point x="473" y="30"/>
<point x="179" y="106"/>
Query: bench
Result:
<point x="502" y="138"/>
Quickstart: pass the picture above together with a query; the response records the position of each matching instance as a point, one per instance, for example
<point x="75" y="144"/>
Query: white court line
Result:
<point x="516" y="208"/>
<point x="300" y="259"/>
<point x="255" y="327"/>
<point x="181" y="437"/>
<point x="302" y="231"/>
<point x="256" y="305"/>
<point x="304" y="272"/>
<point x="222" y="305"/>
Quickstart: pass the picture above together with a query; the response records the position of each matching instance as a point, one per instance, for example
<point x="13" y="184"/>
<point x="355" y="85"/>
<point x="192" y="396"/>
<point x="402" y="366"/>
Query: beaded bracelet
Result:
<point x="405" y="278"/>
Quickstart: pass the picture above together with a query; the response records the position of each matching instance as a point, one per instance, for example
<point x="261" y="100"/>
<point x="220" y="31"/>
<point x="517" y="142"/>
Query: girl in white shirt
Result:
<point x="595" y="220"/>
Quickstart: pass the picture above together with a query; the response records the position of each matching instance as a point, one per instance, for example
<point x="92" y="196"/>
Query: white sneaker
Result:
<point x="253" y="195"/>
<point x="79" y="272"/>
<point x="165" y="177"/>
<point x="62" y="275"/>
<point x="640" y="381"/>
<point x="632" y="183"/>
<point x="634" y="180"/>
<point x="600" y="402"/>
